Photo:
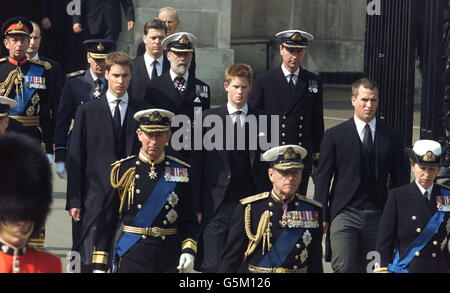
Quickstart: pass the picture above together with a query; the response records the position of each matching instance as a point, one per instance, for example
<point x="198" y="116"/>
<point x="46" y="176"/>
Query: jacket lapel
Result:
<point x="106" y="113"/>
<point x="418" y="204"/>
<point x="299" y="89"/>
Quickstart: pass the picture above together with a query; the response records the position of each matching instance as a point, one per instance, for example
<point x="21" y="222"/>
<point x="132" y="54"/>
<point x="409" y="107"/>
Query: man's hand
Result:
<point x="130" y="25"/>
<point x="186" y="264"/>
<point x="46" y="23"/>
<point x="325" y="226"/>
<point x="75" y="213"/>
<point x="77" y="28"/>
<point x="60" y="169"/>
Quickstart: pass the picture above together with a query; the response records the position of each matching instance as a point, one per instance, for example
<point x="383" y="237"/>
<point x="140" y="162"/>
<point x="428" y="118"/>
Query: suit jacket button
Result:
<point x="417" y="253"/>
<point x="283" y="134"/>
<point x="414" y="218"/>
<point x="283" y="125"/>
<point x="284" y="117"/>
<point x="418" y="230"/>
<point x="434" y="254"/>
<point x="435" y="243"/>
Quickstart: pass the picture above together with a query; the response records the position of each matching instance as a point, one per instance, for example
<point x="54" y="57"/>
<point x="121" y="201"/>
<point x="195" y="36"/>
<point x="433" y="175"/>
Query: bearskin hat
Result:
<point x="25" y="180"/>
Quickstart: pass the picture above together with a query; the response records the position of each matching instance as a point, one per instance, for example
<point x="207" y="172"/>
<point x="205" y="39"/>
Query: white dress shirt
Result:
<point x="233" y="115"/>
<point x="148" y="60"/>
<point x="122" y="106"/>
<point x="287" y="74"/>
<point x="422" y="190"/>
<point x="360" y="127"/>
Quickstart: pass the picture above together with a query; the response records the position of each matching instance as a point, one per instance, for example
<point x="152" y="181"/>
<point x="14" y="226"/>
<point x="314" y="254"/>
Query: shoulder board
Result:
<point x="308" y="200"/>
<point x="46" y="64"/>
<point x="178" y="161"/>
<point x="76" y="73"/>
<point x="3" y="59"/>
<point x="123" y="160"/>
<point x="254" y="198"/>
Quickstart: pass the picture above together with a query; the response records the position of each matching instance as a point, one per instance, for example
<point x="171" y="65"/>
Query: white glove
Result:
<point x="60" y="169"/>
<point x="50" y="158"/>
<point x="99" y="272"/>
<point x="186" y="264"/>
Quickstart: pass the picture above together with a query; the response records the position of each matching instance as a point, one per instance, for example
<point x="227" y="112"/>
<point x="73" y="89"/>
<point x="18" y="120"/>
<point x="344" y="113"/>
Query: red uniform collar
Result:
<point x="17" y="63"/>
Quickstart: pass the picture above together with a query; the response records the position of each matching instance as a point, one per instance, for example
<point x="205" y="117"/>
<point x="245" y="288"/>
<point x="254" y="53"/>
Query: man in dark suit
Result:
<point x="104" y="131"/>
<point x="178" y="90"/>
<point x="228" y="172"/>
<point x="415" y="224"/>
<point x="294" y="94"/>
<point x="80" y="87"/>
<point x="102" y="19"/>
<point x="154" y="62"/>
<point x="361" y="154"/>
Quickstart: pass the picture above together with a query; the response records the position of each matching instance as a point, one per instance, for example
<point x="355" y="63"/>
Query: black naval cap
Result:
<point x="285" y="157"/>
<point x="154" y="120"/>
<point x="99" y="48"/>
<point x="294" y="39"/>
<point x="182" y="42"/>
<point x="5" y="106"/>
<point x="17" y="25"/>
<point x="425" y="152"/>
<point x="26" y="181"/>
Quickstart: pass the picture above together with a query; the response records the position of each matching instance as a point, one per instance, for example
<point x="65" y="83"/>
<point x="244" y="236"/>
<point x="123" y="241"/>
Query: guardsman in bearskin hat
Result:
<point x="415" y="226"/>
<point x="153" y="200"/>
<point x="278" y="231"/>
<point x="25" y="198"/>
<point x="80" y="87"/>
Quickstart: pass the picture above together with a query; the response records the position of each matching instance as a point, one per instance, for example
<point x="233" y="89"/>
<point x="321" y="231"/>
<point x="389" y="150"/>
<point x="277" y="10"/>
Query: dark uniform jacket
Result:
<point x="151" y="254"/>
<point x="94" y="147"/>
<point x="304" y="256"/>
<point x="212" y="170"/>
<point x="15" y="125"/>
<point x="40" y="104"/>
<point x="404" y="217"/>
<point x="140" y="76"/>
<point x="340" y="156"/>
<point x="78" y="89"/>
<point x="300" y="113"/>
<point x="98" y="14"/>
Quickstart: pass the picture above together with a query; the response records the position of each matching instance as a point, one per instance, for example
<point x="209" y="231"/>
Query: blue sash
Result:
<point x="147" y="215"/>
<point x="28" y="92"/>
<point x="400" y="263"/>
<point x="284" y="243"/>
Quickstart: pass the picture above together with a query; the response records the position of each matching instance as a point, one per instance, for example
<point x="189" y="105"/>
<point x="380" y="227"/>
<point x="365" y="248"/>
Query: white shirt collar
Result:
<point x="287" y="72"/>
<point x="94" y="77"/>
<point x="185" y="76"/>
<point x="361" y="124"/>
<point x="149" y="60"/>
<point x="111" y="98"/>
<point x="36" y="57"/>
<point x="232" y="109"/>
<point x="422" y="190"/>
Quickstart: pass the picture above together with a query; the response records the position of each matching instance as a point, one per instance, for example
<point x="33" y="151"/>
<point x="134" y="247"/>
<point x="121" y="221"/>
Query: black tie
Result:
<point x="368" y="138"/>
<point x="117" y="119"/>
<point x="291" y="82"/>
<point x="154" y="72"/>
<point x="179" y="80"/>
<point x="425" y="195"/>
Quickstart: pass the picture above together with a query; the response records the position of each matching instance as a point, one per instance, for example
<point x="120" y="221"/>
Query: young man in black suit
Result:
<point x="416" y="219"/>
<point x="223" y="176"/>
<point x="361" y="154"/>
<point x="294" y="94"/>
<point x="104" y="131"/>
<point x="153" y="62"/>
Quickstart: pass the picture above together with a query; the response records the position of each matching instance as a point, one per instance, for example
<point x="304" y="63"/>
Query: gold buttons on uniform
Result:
<point x="414" y="218"/>
<point x="137" y="176"/>
<point x="139" y="206"/>
<point x="138" y="163"/>
<point x="284" y="117"/>
<point x="298" y="245"/>
<point x="418" y="230"/>
<point x="300" y="126"/>
<point x="435" y="243"/>
<point x="283" y="143"/>
<point x="270" y="224"/>
<point x="301" y="118"/>
<point x="271" y="214"/>
<point x="165" y="222"/>
<point x="417" y="253"/>
<point x="283" y="134"/>
<point x="300" y="135"/>
<point x="144" y="237"/>
<point x="299" y="143"/>
<point x="295" y="267"/>
<point x="167" y="207"/>
<point x="138" y="191"/>
<point x="297" y="203"/>
<point x="270" y="204"/>
<point x="434" y="254"/>
<point x="283" y="126"/>
<point x="297" y="257"/>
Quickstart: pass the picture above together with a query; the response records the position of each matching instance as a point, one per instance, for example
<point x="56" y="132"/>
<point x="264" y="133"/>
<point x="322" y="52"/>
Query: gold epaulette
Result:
<point x="46" y="64"/>
<point x="308" y="200"/>
<point x="178" y="161"/>
<point x="254" y="198"/>
<point x="122" y="160"/>
<point x="3" y="59"/>
<point x="76" y="73"/>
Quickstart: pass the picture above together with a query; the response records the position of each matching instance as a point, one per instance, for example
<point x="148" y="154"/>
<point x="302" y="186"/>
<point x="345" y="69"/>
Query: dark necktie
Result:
<point x="425" y="196"/>
<point x="154" y="72"/>
<point x="97" y="88"/>
<point x="368" y="138"/>
<point x="117" y="119"/>
<point x="291" y="82"/>
<point x="180" y="84"/>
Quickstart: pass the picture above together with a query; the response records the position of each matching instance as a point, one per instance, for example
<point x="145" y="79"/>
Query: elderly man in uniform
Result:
<point x="279" y="231"/>
<point x="416" y="219"/>
<point x="7" y="123"/>
<point x="80" y="87"/>
<point x="153" y="200"/>
<point x="294" y="94"/>
<point x="24" y="204"/>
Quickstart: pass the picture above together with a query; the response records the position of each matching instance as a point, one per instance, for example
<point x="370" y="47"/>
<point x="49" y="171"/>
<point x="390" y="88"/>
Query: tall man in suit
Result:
<point x="154" y="62"/>
<point x="361" y="154"/>
<point x="104" y="131"/>
<point x="80" y="87"/>
<point x="102" y="19"/>
<point x="178" y="90"/>
<point x="224" y="175"/>
<point x="294" y="94"/>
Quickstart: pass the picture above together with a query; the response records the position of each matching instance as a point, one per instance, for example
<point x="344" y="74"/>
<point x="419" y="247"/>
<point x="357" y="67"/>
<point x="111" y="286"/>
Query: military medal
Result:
<point x="176" y="174"/>
<point x="307" y="238"/>
<point x="313" y="86"/>
<point x="152" y="174"/>
<point x="172" y="216"/>
<point x="173" y="199"/>
<point x="284" y="219"/>
<point x="443" y="203"/>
